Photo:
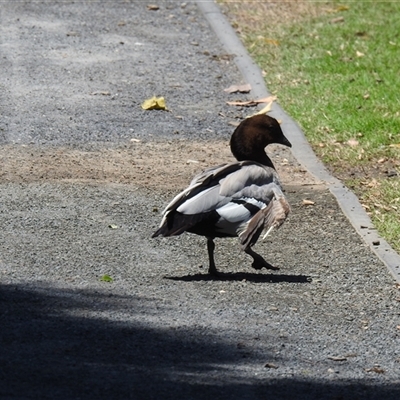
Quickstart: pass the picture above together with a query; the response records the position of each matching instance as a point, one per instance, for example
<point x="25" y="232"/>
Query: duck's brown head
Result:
<point x="252" y="136"/>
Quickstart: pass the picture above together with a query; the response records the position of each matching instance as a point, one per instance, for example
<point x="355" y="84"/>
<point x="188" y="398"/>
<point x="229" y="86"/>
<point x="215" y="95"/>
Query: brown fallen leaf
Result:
<point x="238" y="88"/>
<point x="308" y="202"/>
<point x="270" y="365"/>
<point x="375" y="369"/>
<point x="153" y="7"/>
<point x="252" y="103"/>
<point x="101" y="92"/>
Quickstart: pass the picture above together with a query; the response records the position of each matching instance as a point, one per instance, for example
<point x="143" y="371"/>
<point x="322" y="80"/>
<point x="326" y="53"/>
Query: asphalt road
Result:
<point x="85" y="175"/>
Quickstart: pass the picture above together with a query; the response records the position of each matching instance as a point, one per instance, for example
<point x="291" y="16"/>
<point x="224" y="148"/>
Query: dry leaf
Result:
<point x="271" y="41"/>
<point x="264" y="110"/>
<point x="155" y="103"/>
<point x="338" y="9"/>
<point x="336" y="20"/>
<point x="153" y="7"/>
<point x="103" y="93"/>
<point x="359" y="54"/>
<point x="376" y="369"/>
<point x="251" y="103"/>
<point x="238" y="88"/>
<point x="353" y="142"/>
<point x="395" y="145"/>
<point x="338" y="358"/>
<point x="308" y="202"/>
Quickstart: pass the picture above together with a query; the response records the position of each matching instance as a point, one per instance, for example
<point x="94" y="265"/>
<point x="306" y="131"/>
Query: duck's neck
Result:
<point x="260" y="157"/>
<point x="265" y="160"/>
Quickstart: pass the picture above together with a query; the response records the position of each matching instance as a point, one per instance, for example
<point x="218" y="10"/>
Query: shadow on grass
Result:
<point x="80" y="344"/>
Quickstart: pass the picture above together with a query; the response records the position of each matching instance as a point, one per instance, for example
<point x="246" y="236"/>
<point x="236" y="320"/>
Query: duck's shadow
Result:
<point x="243" y="276"/>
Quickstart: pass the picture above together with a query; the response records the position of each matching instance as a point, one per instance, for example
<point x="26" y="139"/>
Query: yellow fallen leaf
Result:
<point x="271" y="41"/>
<point x="264" y="110"/>
<point x="338" y="9"/>
<point x="359" y="54"/>
<point x="155" y="103"/>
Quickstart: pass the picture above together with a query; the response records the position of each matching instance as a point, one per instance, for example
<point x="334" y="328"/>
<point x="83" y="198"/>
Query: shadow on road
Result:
<point x="240" y="276"/>
<point x="59" y="344"/>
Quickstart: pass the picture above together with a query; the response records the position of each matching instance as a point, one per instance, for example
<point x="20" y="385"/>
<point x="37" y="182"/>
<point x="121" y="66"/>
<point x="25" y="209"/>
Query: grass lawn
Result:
<point x="335" y="68"/>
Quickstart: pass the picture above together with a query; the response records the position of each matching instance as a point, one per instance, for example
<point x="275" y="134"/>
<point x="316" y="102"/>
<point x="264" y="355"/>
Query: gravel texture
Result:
<point x="80" y="199"/>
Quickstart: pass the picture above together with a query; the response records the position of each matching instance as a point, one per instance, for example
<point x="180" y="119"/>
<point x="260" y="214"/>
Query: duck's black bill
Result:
<point x="285" y="142"/>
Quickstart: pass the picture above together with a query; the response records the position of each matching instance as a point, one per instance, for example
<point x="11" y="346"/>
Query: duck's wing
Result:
<point x="202" y="194"/>
<point x="265" y="220"/>
<point x="235" y="191"/>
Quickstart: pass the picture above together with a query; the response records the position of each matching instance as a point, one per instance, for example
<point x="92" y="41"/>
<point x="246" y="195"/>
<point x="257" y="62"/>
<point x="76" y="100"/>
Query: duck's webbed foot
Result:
<point x="259" y="262"/>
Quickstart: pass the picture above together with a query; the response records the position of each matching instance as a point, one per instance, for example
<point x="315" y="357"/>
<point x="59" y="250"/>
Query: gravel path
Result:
<point x="85" y="174"/>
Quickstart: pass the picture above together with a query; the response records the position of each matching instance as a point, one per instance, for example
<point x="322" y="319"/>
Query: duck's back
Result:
<point x="220" y="201"/>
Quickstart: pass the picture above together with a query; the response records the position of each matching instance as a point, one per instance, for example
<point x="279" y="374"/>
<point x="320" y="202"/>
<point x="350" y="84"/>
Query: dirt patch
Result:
<point x="170" y="165"/>
<point x="254" y="15"/>
<point x="382" y="169"/>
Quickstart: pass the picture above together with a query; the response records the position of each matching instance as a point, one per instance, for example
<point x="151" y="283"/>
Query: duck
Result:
<point x="241" y="199"/>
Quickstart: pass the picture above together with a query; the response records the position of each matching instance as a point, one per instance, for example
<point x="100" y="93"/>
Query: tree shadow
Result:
<point x="86" y="344"/>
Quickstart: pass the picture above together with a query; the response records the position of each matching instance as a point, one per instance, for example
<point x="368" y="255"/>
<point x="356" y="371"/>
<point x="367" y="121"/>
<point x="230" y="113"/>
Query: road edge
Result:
<point x="301" y="149"/>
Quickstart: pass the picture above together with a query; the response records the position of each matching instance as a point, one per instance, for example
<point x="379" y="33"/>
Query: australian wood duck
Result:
<point x="243" y="198"/>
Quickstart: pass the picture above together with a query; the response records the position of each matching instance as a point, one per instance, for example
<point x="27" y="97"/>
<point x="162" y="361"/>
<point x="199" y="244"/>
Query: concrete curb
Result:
<point x="348" y="202"/>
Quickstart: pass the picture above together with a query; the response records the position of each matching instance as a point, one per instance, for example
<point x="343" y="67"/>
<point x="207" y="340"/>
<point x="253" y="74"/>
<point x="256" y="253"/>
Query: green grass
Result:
<point x="338" y="76"/>
<point x="330" y="88"/>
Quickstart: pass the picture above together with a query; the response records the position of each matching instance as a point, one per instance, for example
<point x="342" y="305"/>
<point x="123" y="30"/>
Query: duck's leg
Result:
<point x="258" y="262"/>
<point x="212" y="270"/>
